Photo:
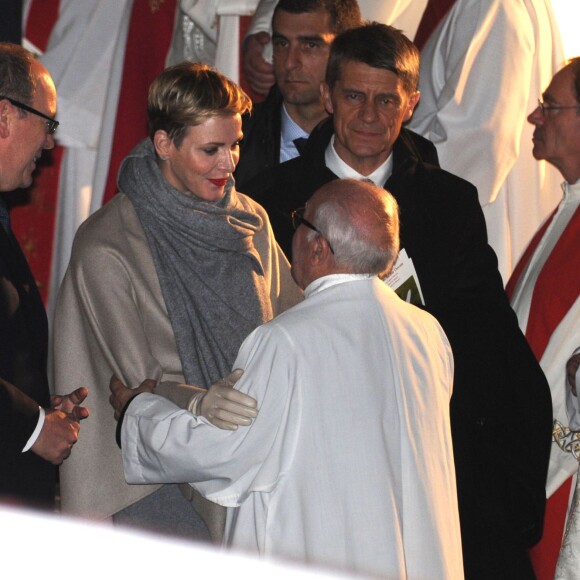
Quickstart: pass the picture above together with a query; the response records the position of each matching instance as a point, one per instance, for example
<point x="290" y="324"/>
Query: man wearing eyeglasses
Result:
<point x="348" y="463"/>
<point x="35" y="433"/>
<point x="499" y="389"/>
<point x="545" y="294"/>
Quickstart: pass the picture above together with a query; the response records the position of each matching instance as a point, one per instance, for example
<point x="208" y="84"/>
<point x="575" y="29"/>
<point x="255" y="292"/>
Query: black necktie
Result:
<point x="299" y="144"/>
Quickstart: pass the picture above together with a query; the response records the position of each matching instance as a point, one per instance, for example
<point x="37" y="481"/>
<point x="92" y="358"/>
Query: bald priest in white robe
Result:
<point x="349" y="463"/>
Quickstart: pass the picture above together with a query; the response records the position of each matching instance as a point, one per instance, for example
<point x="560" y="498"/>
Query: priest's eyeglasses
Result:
<point x="546" y="107"/>
<point x="298" y="218"/>
<point x="51" y="124"/>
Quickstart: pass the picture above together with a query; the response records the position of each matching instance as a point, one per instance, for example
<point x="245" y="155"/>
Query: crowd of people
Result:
<point x="290" y="319"/>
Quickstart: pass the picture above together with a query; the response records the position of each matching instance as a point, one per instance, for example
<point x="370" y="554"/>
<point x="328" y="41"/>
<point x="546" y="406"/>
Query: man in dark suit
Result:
<point x="35" y="433"/>
<point x="302" y="33"/>
<point x="501" y="407"/>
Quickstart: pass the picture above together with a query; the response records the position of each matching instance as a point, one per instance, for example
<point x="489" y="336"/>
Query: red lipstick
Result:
<point x="219" y="182"/>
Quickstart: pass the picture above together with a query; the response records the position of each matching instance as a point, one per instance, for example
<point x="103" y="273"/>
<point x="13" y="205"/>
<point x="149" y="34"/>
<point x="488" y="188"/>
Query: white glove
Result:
<point x="223" y="406"/>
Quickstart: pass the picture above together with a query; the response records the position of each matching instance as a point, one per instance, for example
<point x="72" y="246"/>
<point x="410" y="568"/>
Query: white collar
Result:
<point x="571" y="192"/>
<point x="332" y="280"/>
<point x="344" y="171"/>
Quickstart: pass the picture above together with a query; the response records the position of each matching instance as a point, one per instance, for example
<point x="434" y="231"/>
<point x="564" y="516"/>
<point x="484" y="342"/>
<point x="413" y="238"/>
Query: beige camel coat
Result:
<point x="111" y="318"/>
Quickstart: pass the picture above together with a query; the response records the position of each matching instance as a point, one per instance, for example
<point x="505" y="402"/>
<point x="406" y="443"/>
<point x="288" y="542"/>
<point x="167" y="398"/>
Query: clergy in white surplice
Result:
<point x="482" y="71"/>
<point x="349" y="463"/>
<point x="545" y="294"/>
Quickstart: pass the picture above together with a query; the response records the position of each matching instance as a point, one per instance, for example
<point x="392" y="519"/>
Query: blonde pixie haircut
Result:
<point x="189" y="94"/>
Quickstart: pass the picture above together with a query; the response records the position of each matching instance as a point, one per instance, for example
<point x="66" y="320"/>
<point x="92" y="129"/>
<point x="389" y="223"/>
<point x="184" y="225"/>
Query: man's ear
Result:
<point x="162" y="143"/>
<point x="326" y="100"/>
<point x="320" y="250"/>
<point x="413" y="101"/>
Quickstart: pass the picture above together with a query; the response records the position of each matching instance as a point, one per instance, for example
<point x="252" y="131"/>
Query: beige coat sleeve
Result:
<point x="110" y="319"/>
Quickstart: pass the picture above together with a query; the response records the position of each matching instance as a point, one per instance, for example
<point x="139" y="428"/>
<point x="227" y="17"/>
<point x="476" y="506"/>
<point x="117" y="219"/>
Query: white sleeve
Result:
<point x="204" y="14"/>
<point x="162" y="443"/>
<point x="402" y="14"/>
<point x="475" y="81"/>
<point x="262" y="20"/>
<point x="39" y="425"/>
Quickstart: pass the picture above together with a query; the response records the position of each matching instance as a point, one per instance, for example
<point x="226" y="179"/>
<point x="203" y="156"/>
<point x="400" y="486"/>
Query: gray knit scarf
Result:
<point x="211" y="275"/>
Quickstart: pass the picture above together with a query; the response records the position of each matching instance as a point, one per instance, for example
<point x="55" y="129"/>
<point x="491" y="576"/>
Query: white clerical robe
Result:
<point x="482" y="71"/>
<point x="349" y="463"/>
<point x="563" y="341"/>
<point x="85" y="58"/>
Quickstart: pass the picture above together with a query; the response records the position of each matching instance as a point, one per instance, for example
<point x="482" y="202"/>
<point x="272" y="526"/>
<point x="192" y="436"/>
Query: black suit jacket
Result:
<point x="501" y="407"/>
<point x="24" y="477"/>
<point x="260" y="147"/>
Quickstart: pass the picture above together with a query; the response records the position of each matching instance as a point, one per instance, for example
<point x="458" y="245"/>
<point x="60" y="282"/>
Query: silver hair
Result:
<point x="355" y="248"/>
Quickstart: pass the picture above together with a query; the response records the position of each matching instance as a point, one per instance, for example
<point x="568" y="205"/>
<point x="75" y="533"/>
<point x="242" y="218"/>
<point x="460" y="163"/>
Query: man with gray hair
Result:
<point x="343" y="465"/>
<point x="545" y="294"/>
<point x="446" y="266"/>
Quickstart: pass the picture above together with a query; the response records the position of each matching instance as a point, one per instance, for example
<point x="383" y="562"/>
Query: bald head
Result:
<point x="358" y="231"/>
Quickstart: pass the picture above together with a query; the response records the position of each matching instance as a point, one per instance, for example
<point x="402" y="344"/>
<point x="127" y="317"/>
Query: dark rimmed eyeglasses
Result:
<point x="298" y="219"/>
<point x="546" y="107"/>
<point x="51" y="124"/>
